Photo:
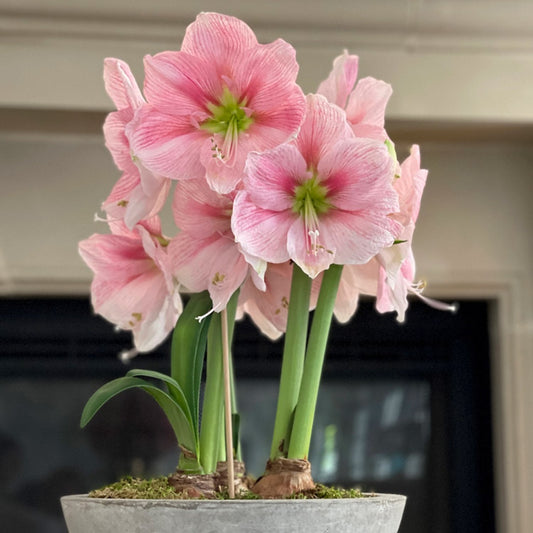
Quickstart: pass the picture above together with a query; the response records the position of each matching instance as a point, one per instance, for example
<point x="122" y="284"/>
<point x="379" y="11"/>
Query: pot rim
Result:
<point x="368" y="497"/>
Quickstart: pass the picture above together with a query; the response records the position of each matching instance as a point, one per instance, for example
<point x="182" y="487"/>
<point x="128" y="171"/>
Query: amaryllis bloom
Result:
<point x="390" y="274"/>
<point x="204" y="254"/>
<point x="397" y="264"/>
<point x="324" y="198"/>
<point x="221" y="96"/>
<point x="132" y="285"/>
<point x="365" y="105"/>
<point x="138" y="194"/>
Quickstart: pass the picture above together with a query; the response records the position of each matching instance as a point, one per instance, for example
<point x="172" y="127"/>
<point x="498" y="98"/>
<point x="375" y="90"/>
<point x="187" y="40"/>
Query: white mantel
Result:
<point x="462" y="73"/>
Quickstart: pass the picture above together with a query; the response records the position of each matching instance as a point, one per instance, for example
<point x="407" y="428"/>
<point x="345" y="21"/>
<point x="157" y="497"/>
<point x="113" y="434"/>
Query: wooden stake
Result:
<point x="227" y="405"/>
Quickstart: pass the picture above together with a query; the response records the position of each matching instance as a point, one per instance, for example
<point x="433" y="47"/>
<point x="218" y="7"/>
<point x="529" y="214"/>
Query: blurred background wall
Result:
<point x="462" y="73"/>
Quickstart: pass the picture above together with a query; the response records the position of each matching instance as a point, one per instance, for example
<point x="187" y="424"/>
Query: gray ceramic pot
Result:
<point x="380" y="513"/>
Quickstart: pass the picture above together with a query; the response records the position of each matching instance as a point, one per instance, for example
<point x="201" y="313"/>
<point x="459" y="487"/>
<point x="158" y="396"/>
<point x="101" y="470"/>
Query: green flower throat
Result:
<point x="310" y="199"/>
<point x="228" y="117"/>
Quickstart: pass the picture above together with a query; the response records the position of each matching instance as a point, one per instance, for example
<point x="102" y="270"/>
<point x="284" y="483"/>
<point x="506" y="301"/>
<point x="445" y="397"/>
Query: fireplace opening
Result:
<point x="403" y="408"/>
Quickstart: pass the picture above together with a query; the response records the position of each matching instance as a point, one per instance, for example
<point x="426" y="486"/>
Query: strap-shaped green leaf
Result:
<point x="180" y="422"/>
<point x="173" y="386"/>
<point x="188" y="350"/>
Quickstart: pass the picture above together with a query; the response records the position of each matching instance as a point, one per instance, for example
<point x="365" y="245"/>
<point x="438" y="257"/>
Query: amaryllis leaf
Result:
<point x="173" y="386"/>
<point x="188" y="350"/>
<point x="180" y="422"/>
<point x="236" y="425"/>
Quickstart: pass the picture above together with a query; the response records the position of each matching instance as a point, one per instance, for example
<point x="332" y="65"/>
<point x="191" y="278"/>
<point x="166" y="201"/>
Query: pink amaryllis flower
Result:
<point x="324" y="198"/>
<point x="138" y="194"/>
<point x="390" y="274"/>
<point x="397" y="264"/>
<point x="221" y="96"/>
<point x="204" y="254"/>
<point x="132" y="286"/>
<point x="365" y="105"/>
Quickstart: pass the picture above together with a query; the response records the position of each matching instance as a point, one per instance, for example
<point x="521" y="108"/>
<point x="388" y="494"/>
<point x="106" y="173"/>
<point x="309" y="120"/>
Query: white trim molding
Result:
<point x="446" y="59"/>
<point x="511" y="340"/>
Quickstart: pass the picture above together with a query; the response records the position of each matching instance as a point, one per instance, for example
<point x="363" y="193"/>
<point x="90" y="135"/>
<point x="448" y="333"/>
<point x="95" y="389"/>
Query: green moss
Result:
<point x="324" y="492"/>
<point x="139" y="489"/>
<point x="224" y="495"/>
<point x="321" y="492"/>
<point x="159" y="489"/>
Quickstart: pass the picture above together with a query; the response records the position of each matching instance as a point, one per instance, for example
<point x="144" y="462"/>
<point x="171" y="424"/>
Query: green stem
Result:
<point x="231" y="312"/>
<point x="314" y="361"/>
<point x="211" y="426"/>
<point x="293" y="361"/>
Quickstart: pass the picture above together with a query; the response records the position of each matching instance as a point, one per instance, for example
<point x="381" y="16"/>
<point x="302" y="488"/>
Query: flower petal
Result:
<point x="357" y="237"/>
<point x="115" y="138"/>
<point x="121" y="85"/>
<point x="218" y="38"/>
<point x="358" y="174"/>
<point x="200" y="211"/>
<point x="410" y="186"/>
<point x="167" y="145"/>
<point x="312" y="262"/>
<point x="272" y="176"/>
<point x="367" y="104"/>
<point x="214" y="264"/>
<point x="323" y="126"/>
<point x="260" y="232"/>
<point x="181" y="84"/>
<point x="337" y="86"/>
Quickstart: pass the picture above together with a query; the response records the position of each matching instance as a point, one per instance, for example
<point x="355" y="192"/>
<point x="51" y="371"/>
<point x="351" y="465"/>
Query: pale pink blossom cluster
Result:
<point x="263" y="178"/>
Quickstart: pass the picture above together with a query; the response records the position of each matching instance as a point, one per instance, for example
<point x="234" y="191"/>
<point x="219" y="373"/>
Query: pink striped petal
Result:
<point x="226" y="275"/>
<point x="272" y="176"/>
<point x="323" y="126"/>
<point x="115" y="138"/>
<point x="337" y="86"/>
<point x="218" y="38"/>
<point x="357" y="237"/>
<point x="200" y="211"/>
<point x="261" y="232"/>
<point x="410" y="186"/>
<point x="268" y="309"/>
<point x="114" y="256"/>
<point x="121" y="85"/>
<point x="167" y="145"/>
<point x="358" y="174"/>
<point x="368" y="101"/>
<point x="266" y="79"/>
<point x="312" y="262"/>
<point x="181" y="84"/>
<point x="191" y="260"/>
<point x="214" y="264"/>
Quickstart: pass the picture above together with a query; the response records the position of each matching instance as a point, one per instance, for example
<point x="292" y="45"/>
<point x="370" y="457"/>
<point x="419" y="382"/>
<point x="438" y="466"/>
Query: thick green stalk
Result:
<point x="293" y="361"/>
<point x="211" y="426"/>
<point x="314" y="360"/>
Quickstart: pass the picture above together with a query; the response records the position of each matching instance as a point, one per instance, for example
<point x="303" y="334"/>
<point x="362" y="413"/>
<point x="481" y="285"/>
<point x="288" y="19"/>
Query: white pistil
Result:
<point x="313" y="238"/>
<point x="127" y="355"/>
<point x="231" y="140"/>
<point x="201" y="317"/>
<point x="417" y="288"/>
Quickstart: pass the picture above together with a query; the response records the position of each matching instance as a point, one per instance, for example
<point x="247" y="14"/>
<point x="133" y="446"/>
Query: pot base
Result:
<point x="380" y="513"/>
